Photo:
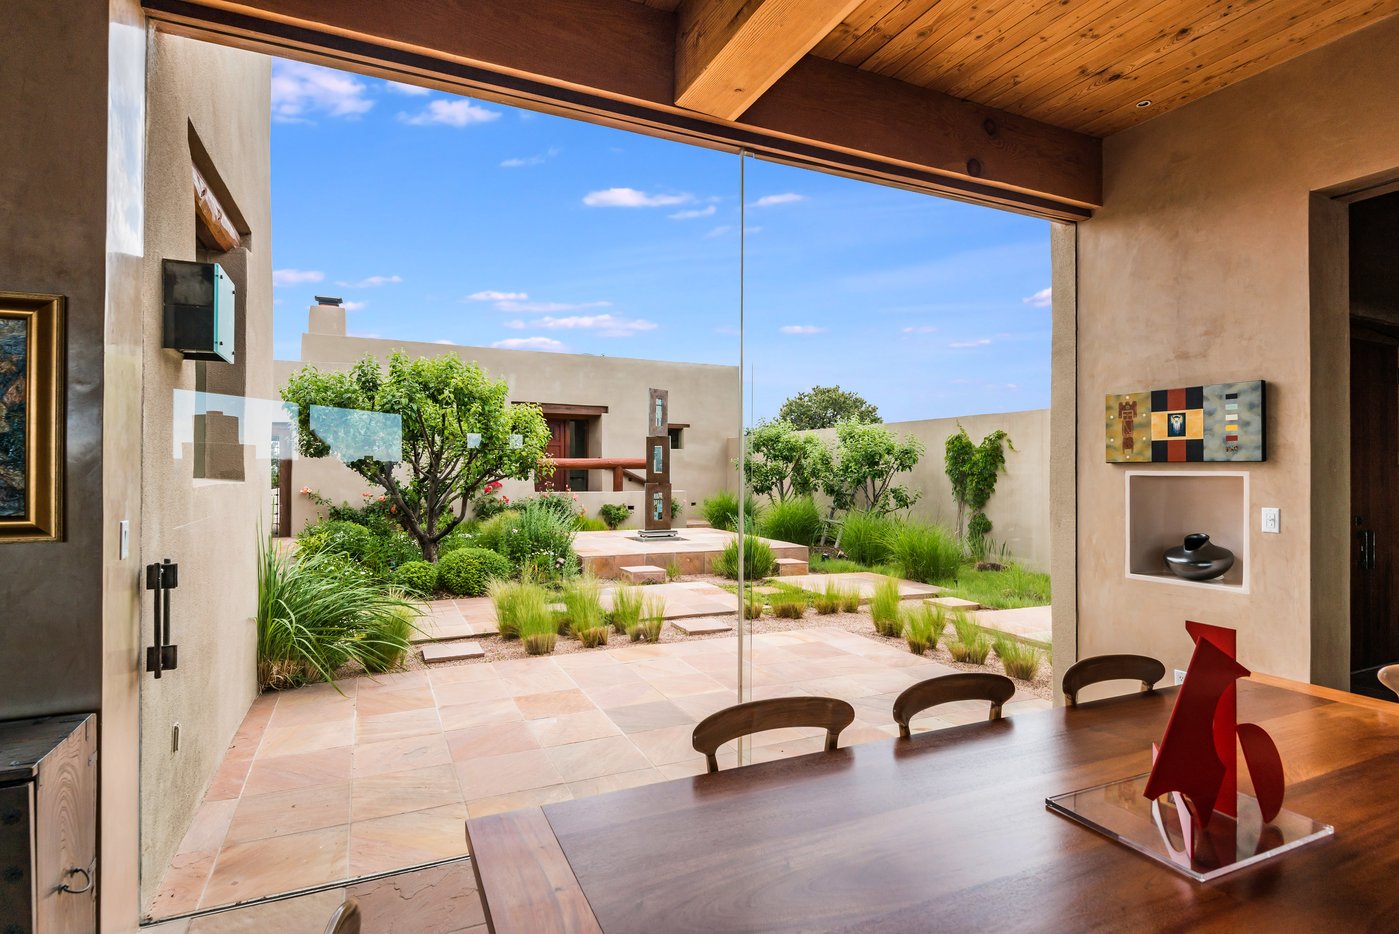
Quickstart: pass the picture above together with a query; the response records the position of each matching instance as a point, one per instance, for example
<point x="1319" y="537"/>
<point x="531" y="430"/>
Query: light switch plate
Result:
<point x="1180" y="676"/>
<point x="1272" y="519"/>
<point x="124" y="536"/>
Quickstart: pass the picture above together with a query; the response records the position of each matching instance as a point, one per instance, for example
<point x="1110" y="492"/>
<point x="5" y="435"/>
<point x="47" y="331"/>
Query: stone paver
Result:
<point x="1031" y="622"/>
<point x="863" y="581"/>
<point x="642" y="574"/>
<point x="791" y="567"/>
<point x="702" y="625"/>
<point x="321" y="786"/>
<point x="955" y="603"/>
<point x="451" y="651"/>
<point x="604" y="554"/>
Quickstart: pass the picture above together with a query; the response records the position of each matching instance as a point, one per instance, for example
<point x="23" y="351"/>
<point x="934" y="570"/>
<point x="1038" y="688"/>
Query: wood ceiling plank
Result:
<point x="1259" y="54"/>
<point x="945" y="17"/>
<point x="728" y="52"/>
<point x="1041" y="87"/>
<point x="991" y="73"/>
<point x="888" y="30"/>
<point x="939" y="60"/>
<point x="848" y="32"/>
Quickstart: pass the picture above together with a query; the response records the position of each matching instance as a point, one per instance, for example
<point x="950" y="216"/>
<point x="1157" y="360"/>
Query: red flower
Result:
<point x="505" y="499"/>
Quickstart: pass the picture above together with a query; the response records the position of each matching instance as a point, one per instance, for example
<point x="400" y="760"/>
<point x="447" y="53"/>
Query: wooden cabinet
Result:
<point x="48" y="825"/>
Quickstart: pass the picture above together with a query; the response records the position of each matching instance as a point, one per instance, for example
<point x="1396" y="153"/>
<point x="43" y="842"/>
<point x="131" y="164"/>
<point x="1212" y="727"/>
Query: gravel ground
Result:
<point x="498" y="649"/>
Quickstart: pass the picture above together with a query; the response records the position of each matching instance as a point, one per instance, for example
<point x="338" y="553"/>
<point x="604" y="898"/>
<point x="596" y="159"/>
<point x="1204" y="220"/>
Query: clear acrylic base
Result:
<point x="1120" y="812"/>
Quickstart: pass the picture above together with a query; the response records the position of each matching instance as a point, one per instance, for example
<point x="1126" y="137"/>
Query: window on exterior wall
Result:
<point x="677" y="436"/>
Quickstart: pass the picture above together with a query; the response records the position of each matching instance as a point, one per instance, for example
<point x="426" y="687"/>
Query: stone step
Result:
<point x="791" y="567"/>
<point x="643" y="574"/>
<point x="696" y="523"/>
<point x="955" y="603"/>
<point x="452" y="651"/>
<point x="701" y="625"/>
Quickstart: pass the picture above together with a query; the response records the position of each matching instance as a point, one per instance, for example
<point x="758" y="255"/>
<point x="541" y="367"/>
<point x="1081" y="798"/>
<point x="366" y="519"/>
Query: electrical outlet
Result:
<point x="1272" y="519"/>
<point x="1180" y="676"/>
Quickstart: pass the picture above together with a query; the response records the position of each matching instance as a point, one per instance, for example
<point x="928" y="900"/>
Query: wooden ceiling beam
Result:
<point x="614" y="62"/>
<point x="214" y="228"/>
<point x="728" y="52"/>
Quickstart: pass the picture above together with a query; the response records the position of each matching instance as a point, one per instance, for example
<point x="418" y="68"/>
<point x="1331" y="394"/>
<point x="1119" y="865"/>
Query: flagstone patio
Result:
<point x="321" y="786"/>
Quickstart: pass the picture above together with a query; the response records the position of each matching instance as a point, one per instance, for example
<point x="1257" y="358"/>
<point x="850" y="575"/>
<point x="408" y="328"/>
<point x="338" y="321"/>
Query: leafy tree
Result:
<point x="973" y="469"/>
<point x="780" y="461"/>
<point x="440" y="404"/>
<point x="867" y="459"/>
<point x="826" y="407"/>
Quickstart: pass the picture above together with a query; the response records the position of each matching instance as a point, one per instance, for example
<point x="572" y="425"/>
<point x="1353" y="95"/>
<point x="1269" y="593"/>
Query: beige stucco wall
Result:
<point x="206" y="524"/>
<point x="1019" y="510"/>
<point x="703" y="396"/>
<point x="1197" y="271"/>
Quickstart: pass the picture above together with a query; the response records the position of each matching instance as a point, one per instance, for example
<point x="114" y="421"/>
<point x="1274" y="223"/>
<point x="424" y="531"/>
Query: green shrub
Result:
<point x="463" y="536"/>
<point x="926" y="553"/>
<point x="967" y="631"/>
<point x="885" y="607"/>
<point x="562" y="505"/>
<point x="318" y="611"/>
<point x="614" y="514"/>
<point x="789" y="605"/>
<point x="753" y="605"/>
<point x="672" y="571"/>
<point x="849" y="600"/>
<point x="758" y="560"/>
<point x="820" y="564"/>
<point x="515" y="603"/>
<point x="582" y="600"/>
<point x="677" y="509"/>
<point x="1021" y="661"/>
<point x="652" y="621"/>
<point x="923" y="627"/>
<point x="626" y="608"/>
<point x="386" y="553"/>
<point x="536" y="539"/>
<point x="335" y="537"/>
<point x="721" y="510"/>
<point x="415" y="577"/>
<point x="467" y="572"/>
<point x="386" y="645"/>
<point x="974" y="652"/>
<point x="828" y="600"/>
<point x="795" y="520"/>
<point x="866" y="537"/>
<point x="589" y="524"/>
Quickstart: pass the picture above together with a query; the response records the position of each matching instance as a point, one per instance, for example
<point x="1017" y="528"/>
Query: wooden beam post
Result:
<point x="215" y="229"/>
<point x="729" y="52"/>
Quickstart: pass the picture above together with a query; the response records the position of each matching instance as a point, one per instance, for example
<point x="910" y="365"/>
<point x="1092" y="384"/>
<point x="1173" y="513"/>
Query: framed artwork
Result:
<point x="31" y="417"/>
<point x="1222" y="422"/>
<point x="658" y="459"/>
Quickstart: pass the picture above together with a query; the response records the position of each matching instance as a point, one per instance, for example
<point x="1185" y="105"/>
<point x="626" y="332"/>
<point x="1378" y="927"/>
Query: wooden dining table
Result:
<point x="948" y="831"/>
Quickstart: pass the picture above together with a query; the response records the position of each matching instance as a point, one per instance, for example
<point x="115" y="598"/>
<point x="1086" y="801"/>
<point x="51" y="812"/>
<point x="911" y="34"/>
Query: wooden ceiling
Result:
<point x="1000" y="102"/>
<point x="1082" y="64"/>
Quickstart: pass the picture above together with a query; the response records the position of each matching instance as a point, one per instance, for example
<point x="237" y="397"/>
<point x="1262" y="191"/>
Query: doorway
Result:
<point x="1374" y="414"/>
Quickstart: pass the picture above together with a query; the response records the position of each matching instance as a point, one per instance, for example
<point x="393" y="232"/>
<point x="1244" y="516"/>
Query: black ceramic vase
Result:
<point x="1199" y="559"/>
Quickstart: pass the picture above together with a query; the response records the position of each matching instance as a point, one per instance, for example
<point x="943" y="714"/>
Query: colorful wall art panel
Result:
<point x="1222" y="422"/>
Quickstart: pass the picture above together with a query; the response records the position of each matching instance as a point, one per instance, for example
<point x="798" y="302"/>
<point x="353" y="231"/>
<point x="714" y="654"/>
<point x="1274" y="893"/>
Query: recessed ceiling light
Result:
<point x="1146" y="103"/>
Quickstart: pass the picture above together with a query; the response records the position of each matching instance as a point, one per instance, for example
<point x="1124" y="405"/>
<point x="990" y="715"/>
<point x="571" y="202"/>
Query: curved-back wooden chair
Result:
<point x="1098" y="668"/>
<point x="1389" y="677"/>
<point x="756" y="716"/>
<point x="346" y="919"/>
<point x="945" y="689"/>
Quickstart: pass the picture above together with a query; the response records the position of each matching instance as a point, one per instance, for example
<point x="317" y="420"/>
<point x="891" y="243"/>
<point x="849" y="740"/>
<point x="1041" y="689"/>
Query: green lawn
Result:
<point x="1007" y="589"/>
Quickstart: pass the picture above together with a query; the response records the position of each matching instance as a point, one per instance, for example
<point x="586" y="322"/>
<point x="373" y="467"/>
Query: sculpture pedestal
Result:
<point x="651" y="535"/>
<point x="1119" y="812"/>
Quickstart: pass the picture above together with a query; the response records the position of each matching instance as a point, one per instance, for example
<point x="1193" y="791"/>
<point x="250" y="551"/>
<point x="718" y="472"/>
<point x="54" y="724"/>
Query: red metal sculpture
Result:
<point x="1196" y="757"/>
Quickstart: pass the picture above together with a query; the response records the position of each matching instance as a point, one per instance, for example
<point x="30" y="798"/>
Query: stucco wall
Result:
<point x="206" y="524"/>
<point x="1197" y="271"/>
<point x="1019" y="510"/>
<point x="703" y="396"/>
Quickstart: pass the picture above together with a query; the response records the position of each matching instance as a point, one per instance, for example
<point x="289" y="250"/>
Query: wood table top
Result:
<point x="949" y="831"/>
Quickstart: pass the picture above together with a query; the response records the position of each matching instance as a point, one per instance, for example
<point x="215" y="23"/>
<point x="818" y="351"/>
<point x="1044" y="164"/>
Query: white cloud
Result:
<point x="296" y="276"/>
<point x="370" y="282"/>
<point x="920" y="329"/>
<point x="631" y="198"/>
<point x="537" y="159"/>
<point x="301" y="91"/>
<point x="491" y="295"/>
<point x="719" y="231"/>
<point x="693" y="212"/>
<point x="964" y="345"/>
<point x="606" y="325"/>
<point x="408" y="90"/>
<point x="353" y="306"/>
<point x="801" y="329"/>
<point x="1041" y="299"/>
<point x="442" y="340"/>
<point x="787" y="197"/>
<point x="530" y="343"/>
<point x="458" y="112"/>
<point x="542" y="308"/>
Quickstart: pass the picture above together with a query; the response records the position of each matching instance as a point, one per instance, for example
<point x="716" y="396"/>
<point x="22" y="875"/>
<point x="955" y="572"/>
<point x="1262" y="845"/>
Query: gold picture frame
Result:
<point x="31" y="417"/>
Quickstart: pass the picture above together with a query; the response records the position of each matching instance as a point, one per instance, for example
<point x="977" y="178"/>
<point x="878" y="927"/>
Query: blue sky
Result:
<point x="440" y="218"/>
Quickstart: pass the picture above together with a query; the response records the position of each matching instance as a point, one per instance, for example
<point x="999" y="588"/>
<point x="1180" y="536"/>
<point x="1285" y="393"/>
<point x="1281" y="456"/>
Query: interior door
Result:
<point x="1374" y="462"/>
